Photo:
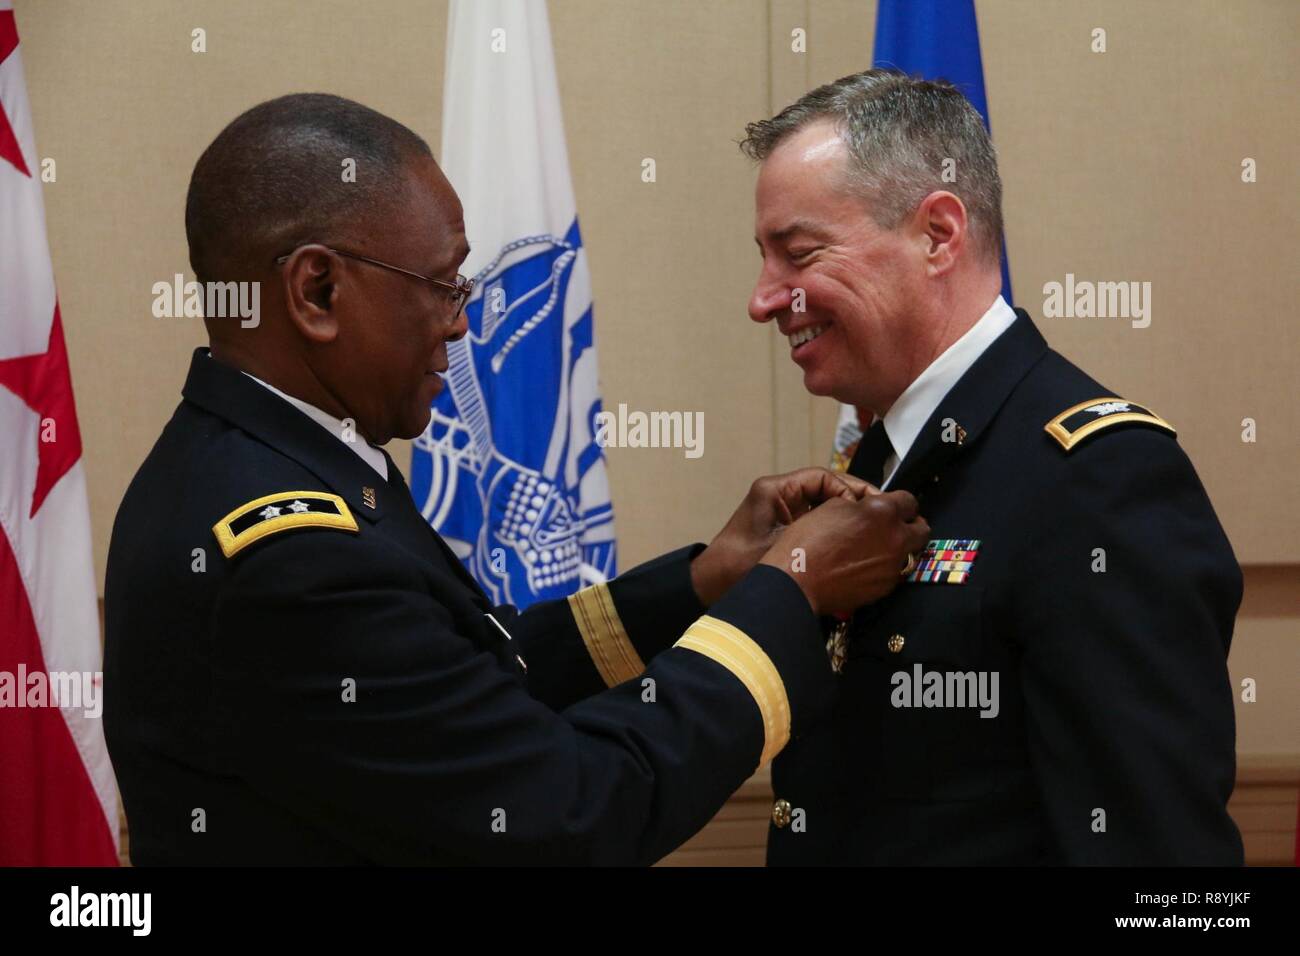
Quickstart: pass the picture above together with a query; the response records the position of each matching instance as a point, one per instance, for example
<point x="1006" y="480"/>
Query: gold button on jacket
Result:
<point x="781" y="813"/>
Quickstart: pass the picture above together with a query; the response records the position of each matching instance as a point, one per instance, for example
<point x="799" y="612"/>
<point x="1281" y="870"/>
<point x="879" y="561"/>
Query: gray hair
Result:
<point x="899" y="130"/>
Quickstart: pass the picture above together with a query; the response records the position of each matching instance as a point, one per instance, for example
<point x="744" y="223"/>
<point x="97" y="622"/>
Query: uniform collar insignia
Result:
<point x="972" y="403"/>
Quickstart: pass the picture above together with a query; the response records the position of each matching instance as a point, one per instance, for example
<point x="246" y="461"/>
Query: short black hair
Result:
<point x="273" y="179"/>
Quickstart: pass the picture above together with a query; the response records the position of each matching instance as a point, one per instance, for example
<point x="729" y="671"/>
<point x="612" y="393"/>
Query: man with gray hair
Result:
<point x="1049" y="686"/>
<point x="299" y="670"/>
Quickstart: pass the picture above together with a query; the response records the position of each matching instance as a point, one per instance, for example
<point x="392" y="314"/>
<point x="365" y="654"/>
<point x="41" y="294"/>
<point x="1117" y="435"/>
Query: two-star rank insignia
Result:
<point x="286" y="511"/>
<point x="1079" y="421"/>
<point x="945" y="561"/>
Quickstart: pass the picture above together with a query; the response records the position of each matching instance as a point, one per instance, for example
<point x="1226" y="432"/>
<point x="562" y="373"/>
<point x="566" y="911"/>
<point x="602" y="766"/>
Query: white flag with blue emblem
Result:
<point x="509" y="471"/>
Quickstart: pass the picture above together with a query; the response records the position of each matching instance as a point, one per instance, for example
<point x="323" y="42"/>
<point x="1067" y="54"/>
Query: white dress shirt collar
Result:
<point x="904" y="421"/>
<point x="371" y="455"/>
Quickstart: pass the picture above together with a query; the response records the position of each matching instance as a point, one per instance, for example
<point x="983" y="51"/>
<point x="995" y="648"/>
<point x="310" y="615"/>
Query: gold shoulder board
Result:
<point x="285" y="511"/>
<point x="1087" y="418"/>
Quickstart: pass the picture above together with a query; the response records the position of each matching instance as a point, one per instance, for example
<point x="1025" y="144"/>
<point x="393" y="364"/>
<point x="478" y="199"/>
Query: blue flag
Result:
<point x="936" y="39"/>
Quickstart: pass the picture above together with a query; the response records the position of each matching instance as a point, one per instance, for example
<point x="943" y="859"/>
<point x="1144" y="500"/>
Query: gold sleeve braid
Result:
<point x="602" y="631"/>
<point x="737" y="652"/>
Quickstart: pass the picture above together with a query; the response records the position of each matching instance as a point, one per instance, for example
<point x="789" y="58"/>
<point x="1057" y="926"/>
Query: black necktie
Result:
<point x="869" y="460"/>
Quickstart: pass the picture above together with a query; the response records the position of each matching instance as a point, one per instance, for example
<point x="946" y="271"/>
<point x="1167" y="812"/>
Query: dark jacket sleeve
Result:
<point x="438" y="752"/>
<point x="1126" y="687"/>
<point x="605" y="634"/>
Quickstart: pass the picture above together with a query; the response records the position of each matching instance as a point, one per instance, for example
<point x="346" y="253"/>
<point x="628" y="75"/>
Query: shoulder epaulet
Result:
<point x="286" y="511"/>
<point x="1087" y="418"/>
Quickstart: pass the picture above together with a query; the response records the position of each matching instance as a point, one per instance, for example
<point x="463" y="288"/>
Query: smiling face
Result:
<point x="858" y="285"/>
<point x="393" y="329"/>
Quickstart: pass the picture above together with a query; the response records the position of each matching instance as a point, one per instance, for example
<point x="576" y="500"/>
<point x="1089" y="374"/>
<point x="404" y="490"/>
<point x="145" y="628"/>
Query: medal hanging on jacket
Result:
<point x="837" y="645"/>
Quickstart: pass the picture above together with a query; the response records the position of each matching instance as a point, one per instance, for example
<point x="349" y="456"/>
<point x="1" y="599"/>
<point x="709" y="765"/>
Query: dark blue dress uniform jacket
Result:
<point x="1114" y="738"/>
<point x="259" y="568"/>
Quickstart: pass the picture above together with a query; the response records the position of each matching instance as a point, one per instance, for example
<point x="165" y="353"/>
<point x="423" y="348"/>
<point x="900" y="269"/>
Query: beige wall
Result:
<point x="1122" y="165"/>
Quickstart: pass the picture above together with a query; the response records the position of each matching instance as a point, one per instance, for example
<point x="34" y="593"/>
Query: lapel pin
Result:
<point x="368" y="497"/>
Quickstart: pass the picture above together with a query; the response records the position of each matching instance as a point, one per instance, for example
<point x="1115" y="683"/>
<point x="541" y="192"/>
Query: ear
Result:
<point x="942" y="225"/>
<point x="311" y="278"/>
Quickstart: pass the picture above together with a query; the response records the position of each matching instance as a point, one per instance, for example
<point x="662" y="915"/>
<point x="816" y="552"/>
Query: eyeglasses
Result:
<point x="460" y="289"/>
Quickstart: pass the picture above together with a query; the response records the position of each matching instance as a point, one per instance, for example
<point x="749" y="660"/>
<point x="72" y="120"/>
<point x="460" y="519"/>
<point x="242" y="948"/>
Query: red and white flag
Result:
<point x="58" y="800"/>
